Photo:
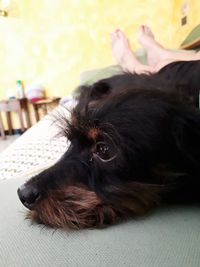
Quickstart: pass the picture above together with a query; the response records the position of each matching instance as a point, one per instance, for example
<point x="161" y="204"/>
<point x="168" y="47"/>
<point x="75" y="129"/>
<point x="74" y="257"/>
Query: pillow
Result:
<point x="91" y="76"/>
<point x="36" y="149"/>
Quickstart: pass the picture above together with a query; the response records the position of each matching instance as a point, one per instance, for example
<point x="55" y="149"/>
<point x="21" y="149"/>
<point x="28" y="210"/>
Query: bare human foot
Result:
<point x="157" y="55"/>
<point x="122" y="51"/>
<point x="155" y="52"/>
<point x="146" y="36"/>
<point x="124" y="56"/>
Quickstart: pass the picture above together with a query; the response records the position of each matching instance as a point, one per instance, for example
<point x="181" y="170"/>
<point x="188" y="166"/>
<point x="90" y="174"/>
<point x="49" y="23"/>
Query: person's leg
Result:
<point x="158" y="55"/>
<point x="124" y="55"/>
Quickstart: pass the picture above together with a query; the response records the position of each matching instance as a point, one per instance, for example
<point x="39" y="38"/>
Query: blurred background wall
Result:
<point x="52" y="42"/>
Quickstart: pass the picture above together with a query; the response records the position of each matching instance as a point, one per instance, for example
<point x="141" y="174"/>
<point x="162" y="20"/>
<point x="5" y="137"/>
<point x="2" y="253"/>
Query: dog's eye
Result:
<point x="103" y="151"/>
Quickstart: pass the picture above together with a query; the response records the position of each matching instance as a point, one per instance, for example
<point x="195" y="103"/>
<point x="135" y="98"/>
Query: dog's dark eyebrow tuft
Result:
<point x="62" y="119"/>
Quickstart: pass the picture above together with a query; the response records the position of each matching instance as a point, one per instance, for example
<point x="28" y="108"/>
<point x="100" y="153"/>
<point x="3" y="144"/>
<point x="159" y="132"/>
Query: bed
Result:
<point x="170" y="236"/>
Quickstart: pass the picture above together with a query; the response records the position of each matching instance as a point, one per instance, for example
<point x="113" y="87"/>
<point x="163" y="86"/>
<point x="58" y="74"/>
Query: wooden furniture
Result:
<point x="19" y="106"/>
<point x="44" y="105"/>
<point x="2" y="128"/>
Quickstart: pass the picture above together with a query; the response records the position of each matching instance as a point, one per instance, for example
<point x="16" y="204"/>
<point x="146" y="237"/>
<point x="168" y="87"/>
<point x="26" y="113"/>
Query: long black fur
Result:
<point x="135" y="142"/>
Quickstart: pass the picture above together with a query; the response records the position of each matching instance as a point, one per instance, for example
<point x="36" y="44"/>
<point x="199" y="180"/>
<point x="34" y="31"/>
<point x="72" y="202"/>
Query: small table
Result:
<point x="44" y="105"/>
<point x="15" y="105"/>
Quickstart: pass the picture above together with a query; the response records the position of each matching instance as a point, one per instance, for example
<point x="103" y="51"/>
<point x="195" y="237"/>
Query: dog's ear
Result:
<point x="85" y="95"/>
<point x="99" y="90"/>
<point x="186" y="133"/>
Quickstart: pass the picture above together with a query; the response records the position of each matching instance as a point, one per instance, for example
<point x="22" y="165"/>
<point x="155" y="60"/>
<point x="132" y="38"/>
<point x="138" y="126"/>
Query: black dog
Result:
<point x="135" y="142"/>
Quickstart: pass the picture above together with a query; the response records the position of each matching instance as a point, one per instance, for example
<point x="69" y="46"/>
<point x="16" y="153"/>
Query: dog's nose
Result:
<point x="28" y="195"/>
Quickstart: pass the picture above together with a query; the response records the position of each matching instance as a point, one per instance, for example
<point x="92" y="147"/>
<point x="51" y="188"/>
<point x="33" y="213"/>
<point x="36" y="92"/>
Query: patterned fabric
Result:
<point x="35" y="150"/>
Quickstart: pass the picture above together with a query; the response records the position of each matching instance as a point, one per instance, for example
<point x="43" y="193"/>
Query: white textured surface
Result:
<point x="4" y="143"/>
<point x="36" y="149"/>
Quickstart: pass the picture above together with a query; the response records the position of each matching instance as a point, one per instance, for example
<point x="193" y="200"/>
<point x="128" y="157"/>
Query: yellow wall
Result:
<point x="52" y="42"/>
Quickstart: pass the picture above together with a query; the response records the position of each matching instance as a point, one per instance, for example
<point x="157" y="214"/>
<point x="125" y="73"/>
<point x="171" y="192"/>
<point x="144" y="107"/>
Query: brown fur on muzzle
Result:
<point x="73" y="207"/>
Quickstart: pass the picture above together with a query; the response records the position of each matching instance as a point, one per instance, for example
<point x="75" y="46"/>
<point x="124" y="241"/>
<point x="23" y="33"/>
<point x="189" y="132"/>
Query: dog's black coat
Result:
<point x="135" y="142"/>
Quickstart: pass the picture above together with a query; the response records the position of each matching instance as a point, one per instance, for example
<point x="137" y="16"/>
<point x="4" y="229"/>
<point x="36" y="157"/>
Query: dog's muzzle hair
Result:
<point x="133" y="144"/>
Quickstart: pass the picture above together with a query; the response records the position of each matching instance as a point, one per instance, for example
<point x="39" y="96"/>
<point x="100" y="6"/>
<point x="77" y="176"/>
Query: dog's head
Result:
<point x="121" y="144"/>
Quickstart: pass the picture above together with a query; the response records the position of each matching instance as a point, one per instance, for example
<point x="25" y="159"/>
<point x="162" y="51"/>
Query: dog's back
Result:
<point x="127" y="81"/>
